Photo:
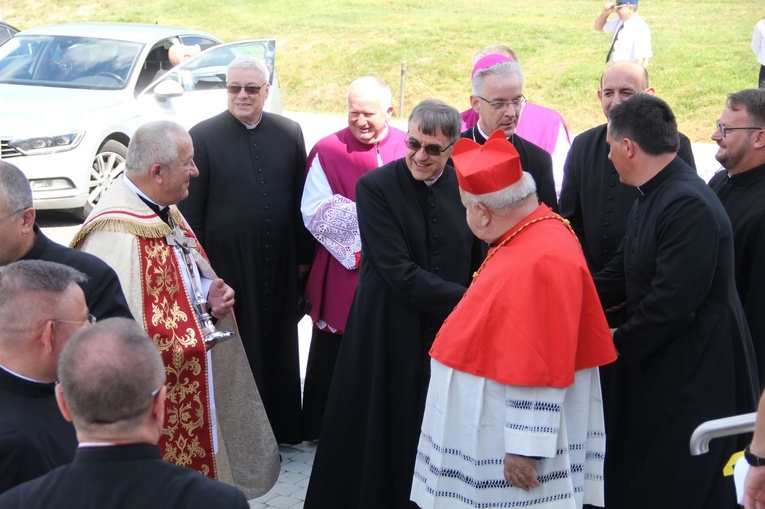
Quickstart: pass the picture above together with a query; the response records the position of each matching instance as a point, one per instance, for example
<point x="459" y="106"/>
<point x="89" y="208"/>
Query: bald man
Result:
<point x="592" y="197"/>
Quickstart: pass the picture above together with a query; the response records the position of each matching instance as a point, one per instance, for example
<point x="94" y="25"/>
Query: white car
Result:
<point x="72" y="95"/>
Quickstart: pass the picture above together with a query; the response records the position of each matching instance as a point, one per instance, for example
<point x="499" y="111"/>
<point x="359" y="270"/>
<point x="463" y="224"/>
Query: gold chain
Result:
<point x="516" y="232"/>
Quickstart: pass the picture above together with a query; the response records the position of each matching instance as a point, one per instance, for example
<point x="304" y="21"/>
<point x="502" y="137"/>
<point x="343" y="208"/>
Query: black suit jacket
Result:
<point x="103" y="293"/>
<point x="123" y="477"/>
<point x="34" y="437"/>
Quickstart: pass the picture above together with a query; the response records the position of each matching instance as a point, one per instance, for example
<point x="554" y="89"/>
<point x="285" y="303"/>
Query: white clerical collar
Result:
<point x="486" y="136"/>
<point x="480" y="131"/>
<point x="18" y="375"/>
<point x="253" y="126"/>
<point x="432" y="181"/>
<point x="140" y="193"/>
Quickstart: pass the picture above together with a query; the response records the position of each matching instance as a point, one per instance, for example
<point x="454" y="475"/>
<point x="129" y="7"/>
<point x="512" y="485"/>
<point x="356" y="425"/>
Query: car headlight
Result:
<point x="47" y="144"/>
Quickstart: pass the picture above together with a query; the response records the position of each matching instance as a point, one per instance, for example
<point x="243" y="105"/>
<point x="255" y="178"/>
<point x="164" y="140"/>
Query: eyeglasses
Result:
<point x="89" y="320"/>
<point x="12" y="214"/>
<point x="250" y="89"/>
<point x="724" y="129"/>
<point x="502" y="105"/>
<point x="431" y="150"/>
<point x="156" y="391"/>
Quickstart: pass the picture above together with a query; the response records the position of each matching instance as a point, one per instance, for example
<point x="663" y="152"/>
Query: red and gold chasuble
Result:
<point x="172" y="324"/>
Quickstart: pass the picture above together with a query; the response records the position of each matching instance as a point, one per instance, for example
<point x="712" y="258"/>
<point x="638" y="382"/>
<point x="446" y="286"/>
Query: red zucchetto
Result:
<point x="483" y="169"/>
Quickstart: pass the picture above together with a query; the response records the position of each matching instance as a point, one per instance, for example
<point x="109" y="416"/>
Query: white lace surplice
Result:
<point x="336" y="226"/>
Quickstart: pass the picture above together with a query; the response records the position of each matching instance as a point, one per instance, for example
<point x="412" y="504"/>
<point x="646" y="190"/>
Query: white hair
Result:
<point x="505" y="199"/>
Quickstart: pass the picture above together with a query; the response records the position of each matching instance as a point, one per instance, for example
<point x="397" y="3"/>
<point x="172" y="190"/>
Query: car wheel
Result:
<point x="108" y="164"/>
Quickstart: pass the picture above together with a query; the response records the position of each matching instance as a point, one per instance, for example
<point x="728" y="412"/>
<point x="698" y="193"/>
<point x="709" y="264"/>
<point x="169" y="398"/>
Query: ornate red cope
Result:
<point x="172" y="324"/>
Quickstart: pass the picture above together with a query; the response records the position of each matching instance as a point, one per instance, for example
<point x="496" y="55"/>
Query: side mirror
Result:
<point x="167" y="89"/>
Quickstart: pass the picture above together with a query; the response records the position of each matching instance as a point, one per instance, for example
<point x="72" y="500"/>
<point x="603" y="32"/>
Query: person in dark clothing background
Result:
<point x="740" y="134"/>
<point x="41" y="307"/>
<point x="684" y="350"/>
<point x="245" y="210"/>
<point x="592" y="197"/>
<point x="112" y="388"/>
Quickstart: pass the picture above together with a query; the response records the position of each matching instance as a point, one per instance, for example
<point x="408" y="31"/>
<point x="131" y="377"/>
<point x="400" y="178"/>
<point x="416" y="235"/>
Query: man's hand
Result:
<point x="754" y="488"/>
<point x="302" y="272"/>
<point x="519" y="471"/>
<point x="609" y="7"/>
<point x="220" y="298"/>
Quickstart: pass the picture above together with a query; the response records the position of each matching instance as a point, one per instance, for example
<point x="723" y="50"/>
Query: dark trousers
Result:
<point x="762" y="76"/>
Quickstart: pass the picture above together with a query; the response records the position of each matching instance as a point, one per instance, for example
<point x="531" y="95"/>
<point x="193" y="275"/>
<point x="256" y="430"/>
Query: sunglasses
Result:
<point x="249" y="89"/>
<point x="431" y="150"/>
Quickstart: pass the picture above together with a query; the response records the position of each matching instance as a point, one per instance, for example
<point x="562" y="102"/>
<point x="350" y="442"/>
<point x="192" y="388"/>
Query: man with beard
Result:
<point x="740" y="134"/>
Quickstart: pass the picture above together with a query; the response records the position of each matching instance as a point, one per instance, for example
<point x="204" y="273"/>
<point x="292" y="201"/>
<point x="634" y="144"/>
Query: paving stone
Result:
<point x="295" y="466"/>
<point x="265" y="498"/>
<point x="305" y="457"/>
<point x="281" y="502"/>
<point x="285" y="489"/>
<point x="299" y="494"/>
<point x="292" y="477"/>
<point x="290" y="489"/>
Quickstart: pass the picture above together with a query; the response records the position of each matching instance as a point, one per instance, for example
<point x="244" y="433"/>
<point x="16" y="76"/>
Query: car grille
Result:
<point x="6" y="151"/>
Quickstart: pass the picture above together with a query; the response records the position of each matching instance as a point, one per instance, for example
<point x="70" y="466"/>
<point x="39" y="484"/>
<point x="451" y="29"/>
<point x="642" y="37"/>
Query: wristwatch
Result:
<point x="753" y="459"/>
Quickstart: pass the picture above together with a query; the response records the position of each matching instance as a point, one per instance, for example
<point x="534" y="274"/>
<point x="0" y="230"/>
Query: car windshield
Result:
<point x="67" y="61"/>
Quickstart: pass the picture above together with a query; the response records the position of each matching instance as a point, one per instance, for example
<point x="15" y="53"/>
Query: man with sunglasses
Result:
<point x="631" y="41"/>
<point x="41" y="307"/>
<point x="245" y="210"/>
<point x="112" y="388"/>
<point x="498" y="99"/>
<point x="418" y="255"/>
<point x="23" y="240"/>
<point x="328" y="206"/>
<point x="740" y="185"/>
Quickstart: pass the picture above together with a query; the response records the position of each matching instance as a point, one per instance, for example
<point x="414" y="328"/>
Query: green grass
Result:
<point x="701" y="49"/>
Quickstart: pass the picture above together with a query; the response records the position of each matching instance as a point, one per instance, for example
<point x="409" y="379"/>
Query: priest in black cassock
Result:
<point x="245" y="210"/>
<point x="684" y="350"/>
<point x="41" y="307"/>
<point x="592" y="198"/>
<point x="417" y="258"/>
<point x="498" y="100"/>
<point x="740" y="135"/>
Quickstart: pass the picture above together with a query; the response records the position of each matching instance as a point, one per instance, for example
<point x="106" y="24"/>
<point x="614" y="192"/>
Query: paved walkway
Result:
<point x="297" y="460"/>
<point x="289" y="491"/>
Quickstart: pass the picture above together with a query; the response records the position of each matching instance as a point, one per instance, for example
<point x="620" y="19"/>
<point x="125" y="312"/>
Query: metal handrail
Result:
<point x="718" y="428"/>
